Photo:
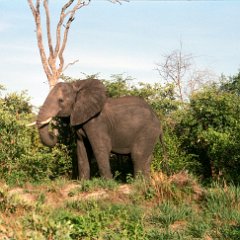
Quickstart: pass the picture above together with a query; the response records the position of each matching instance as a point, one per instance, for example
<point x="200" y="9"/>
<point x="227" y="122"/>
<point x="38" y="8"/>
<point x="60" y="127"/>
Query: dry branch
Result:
<point x="69" y="64"/>
<point x="118" y="1"/>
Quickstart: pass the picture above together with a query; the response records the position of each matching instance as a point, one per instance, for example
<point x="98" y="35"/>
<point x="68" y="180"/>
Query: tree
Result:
<point x="55" y="54"/>
<point x="209" y="131"/>
<point x="53" y="64"/>
<point x="177" y="68"/>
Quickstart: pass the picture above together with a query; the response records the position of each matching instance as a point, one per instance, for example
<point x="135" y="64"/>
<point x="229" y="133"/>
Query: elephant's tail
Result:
<point x="165" y="154"/>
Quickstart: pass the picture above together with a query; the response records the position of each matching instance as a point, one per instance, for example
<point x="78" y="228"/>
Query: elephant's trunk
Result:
<point x="47" y="138"/>
<point x="43" y="120"/>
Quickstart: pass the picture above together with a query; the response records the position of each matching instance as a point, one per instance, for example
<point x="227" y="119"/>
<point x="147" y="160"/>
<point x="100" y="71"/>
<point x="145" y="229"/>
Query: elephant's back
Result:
<point x="127" y="102"/>
<point x="131" y="109"/>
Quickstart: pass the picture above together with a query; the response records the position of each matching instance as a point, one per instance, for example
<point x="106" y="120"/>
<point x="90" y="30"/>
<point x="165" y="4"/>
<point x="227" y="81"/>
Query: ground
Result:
<point x="175" y="207"/>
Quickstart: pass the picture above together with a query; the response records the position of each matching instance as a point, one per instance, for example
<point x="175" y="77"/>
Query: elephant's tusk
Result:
<point x="46" y="121"/>
<point x="31" y="124"/>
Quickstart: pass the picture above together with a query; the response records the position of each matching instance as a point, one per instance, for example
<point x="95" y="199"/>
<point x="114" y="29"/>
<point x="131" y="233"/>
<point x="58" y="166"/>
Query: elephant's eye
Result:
<point x="60" y="100"/>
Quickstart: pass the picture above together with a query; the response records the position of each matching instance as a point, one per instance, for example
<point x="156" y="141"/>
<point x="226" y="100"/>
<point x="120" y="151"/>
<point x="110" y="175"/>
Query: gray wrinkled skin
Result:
<point x="125" y="125"/>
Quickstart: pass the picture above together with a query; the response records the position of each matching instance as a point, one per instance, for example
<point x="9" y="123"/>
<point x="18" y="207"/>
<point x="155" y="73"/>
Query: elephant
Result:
<point x="123" y="125"/>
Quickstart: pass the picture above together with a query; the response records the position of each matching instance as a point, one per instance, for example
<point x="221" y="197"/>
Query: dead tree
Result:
<point x="178" y="69"/>
<point x="53" y="64"/>
<point x="174" y="69"/>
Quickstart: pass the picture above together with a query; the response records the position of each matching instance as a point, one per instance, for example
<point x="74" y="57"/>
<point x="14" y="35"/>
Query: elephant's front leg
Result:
<point x="104" y="167"/>
<point x="97" y="134"/>
<point x="101" y="149"/>
<point x="83" y="162"/>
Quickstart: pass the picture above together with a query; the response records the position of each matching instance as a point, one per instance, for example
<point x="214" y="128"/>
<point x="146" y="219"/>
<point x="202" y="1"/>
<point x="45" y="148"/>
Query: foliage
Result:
<point x="22" y="156"/>
<point x="174" y="159"/>
<point x="231" y="84"/>
<point x="201" y="136"/>
<point x="209" y="130"/>
<point x="17" y="103"/>
<point x="15" y="138"/>
<point x="118" y="85"/>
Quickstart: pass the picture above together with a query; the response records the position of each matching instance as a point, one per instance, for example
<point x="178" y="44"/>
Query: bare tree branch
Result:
<point x="174" y="69"/>
<point x="178" y="69"/>
<point x="70" y="64"/>
<point x="48" y="28"/>
<point x="59" y="26"/>
<point x="199" y="78"/>
<point x="30" y="3"/>
<point x="50" y="67"/>
<point x="118" y="1"/>
<point x="79" y="5"/>
<point x="36" y="15"/>
<point x="53" y="64"/>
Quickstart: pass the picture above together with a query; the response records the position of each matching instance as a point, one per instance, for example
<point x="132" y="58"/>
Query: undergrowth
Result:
<point x="174" y="207"/>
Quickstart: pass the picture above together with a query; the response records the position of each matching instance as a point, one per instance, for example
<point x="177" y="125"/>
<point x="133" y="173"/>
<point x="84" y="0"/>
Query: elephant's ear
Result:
<point x="90" y="98"/>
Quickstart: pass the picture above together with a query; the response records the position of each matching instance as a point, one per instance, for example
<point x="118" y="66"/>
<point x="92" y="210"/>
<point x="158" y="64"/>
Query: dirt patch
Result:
<point x="99" y="194"/>
<point x="67" y="189"/>
<point x="207" y="237"/>
<point x="57" y="196"/>
<point x="125" y="189"/>
<point x="178" y="225"/>
<point x="22" y="195"/>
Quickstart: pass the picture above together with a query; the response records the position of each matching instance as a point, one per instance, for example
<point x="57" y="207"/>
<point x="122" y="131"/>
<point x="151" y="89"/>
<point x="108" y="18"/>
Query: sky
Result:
<point x="126" y="39"/>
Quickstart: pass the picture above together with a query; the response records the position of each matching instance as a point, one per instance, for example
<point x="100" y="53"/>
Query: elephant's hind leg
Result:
<point x="141" y="164"/>
<point x="142" y="155"/>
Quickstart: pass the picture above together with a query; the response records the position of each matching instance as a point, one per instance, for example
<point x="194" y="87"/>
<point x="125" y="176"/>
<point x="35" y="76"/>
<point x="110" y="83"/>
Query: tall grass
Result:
<point x="174" y="207"/>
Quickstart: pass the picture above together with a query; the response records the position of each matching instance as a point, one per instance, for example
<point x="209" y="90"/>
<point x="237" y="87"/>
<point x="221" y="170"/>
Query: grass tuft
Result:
<point x="163" y="207"/>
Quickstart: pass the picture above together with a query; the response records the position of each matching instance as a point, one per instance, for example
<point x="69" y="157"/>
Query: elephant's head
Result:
<point x="81" y="100"/>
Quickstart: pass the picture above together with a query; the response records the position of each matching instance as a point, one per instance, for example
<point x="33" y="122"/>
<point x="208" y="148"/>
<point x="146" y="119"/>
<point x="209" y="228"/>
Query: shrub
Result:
<point x="22" y="156"/>
<point x="209" y="131"/>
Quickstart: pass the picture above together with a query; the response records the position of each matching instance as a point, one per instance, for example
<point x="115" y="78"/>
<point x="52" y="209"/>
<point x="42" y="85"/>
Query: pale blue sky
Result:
<point x="129" y="38"/>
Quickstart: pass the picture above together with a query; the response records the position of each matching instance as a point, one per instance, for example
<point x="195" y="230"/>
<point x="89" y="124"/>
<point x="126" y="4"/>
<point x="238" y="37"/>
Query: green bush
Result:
<point x="201" y="136"/>
<point x="15" y="138"/>
<point x="209" y="131"/>
<point x="22" y="156"/>
<point x="175" y="158"/>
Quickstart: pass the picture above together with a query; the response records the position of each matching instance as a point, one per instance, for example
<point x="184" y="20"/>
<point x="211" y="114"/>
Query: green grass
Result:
<point x="168" y="213"/>
<point x="93" y="185"/>
<point x="158" y="209"/>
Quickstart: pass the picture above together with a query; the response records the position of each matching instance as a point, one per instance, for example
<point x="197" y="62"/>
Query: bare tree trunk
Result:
<point x="53" y="64"/>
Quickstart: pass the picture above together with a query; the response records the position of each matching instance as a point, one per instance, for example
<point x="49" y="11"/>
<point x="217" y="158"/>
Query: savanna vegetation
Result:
<point x="193" y="192"/>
